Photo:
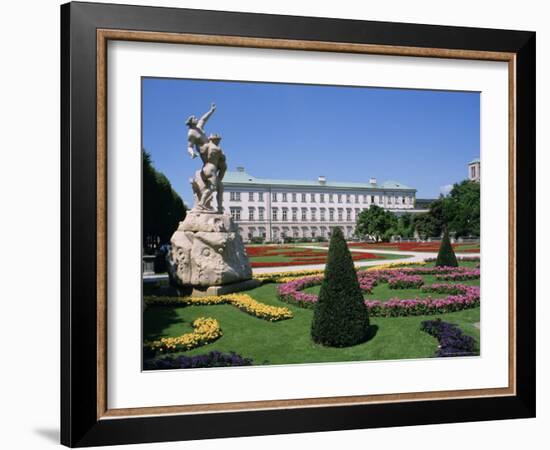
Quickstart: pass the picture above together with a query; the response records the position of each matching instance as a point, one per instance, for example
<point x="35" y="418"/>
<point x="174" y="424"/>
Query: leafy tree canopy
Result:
<point x="375" y="222"/>
<point x="163" y="208"/>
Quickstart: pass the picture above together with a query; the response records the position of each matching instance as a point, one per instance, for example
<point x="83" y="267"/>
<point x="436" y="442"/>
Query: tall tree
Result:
<point x="163" y="208"/>
<point x="459" y="212"/>
<point x="461" y="209"/>
<point x="375" y="222"/>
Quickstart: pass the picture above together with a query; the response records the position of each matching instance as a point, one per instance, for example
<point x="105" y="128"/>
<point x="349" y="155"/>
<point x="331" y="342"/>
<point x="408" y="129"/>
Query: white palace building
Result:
<point x="275" y="209"/>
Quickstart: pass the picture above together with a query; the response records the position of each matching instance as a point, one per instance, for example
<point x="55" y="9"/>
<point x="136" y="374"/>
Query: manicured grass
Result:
<point x="382" y="291"/>
<point x="289" y="341"/>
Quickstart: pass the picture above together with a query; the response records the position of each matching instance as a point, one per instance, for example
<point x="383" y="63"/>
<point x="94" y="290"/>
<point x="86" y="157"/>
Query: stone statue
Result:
<point x="207" y="180"/>
<point x="207" y="252"/>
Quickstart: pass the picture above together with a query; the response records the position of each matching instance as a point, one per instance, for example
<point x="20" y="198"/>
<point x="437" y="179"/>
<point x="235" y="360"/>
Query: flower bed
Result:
<point x="210" y="359"/>
<point x="467" y="274"/>
<point x="459" y="296"/>
<point x="458" y="258"/>
<point x="292" y="256"/>
<point x="205" y="330"/>
<point x="405" y="281"/>
<point x="242" y="301"/>
<point x="452" y="341"/>
<point x="283" y="277"/>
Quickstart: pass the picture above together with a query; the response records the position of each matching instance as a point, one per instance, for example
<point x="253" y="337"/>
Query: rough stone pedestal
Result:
<point x="207" y="254"/>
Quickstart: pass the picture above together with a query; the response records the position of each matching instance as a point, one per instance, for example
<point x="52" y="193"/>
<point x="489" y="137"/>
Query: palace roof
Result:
<point x="243" y="178"/>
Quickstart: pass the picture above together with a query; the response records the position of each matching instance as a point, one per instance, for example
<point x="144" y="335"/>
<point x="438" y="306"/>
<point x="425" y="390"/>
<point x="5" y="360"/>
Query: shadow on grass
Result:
<point x="156" y="320"/>
<point x="371" y="333"/>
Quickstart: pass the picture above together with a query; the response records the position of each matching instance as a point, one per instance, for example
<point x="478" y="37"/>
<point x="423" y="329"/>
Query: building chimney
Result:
<point x="372" y="180"/>
<point x="322" y="179"/>
<point x="240" y="169"/>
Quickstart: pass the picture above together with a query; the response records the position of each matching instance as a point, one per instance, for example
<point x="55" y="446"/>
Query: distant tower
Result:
<point x="473" y="170"/>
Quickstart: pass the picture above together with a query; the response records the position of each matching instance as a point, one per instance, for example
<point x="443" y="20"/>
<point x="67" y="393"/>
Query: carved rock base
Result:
<point x="206" y="250"/>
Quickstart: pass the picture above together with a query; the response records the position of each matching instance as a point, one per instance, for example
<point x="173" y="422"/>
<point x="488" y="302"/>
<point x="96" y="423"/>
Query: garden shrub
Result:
<point x="340" y="318"/>
<point x="446" y="256"/>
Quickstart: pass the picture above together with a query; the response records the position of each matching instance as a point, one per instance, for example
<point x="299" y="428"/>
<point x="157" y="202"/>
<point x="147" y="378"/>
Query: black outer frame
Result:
<point x="79" y="423"/>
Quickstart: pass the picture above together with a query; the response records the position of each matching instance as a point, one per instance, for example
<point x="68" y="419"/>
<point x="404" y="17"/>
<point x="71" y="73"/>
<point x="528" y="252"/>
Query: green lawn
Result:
<point x="289" y="341"/>
<point x="383" y="292"/>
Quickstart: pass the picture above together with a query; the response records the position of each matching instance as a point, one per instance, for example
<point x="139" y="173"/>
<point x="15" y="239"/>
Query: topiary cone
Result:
<point x="340" y="317"/>
<point x="446" y="255"/>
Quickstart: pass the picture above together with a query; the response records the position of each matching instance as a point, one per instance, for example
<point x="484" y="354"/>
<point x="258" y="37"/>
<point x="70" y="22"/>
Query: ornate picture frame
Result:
<point x="86" y="29"/>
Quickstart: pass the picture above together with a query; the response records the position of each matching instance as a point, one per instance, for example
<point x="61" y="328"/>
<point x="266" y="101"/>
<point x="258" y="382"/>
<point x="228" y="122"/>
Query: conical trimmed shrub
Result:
<point x="340" y="318"/>
<point x="446" y="255"/>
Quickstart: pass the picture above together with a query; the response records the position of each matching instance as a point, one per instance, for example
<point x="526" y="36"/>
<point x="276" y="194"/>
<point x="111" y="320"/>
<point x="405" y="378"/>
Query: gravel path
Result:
<point x="407" y="257"/>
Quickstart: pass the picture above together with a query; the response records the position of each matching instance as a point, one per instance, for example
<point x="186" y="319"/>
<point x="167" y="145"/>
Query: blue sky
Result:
<point x="423" y="139"/>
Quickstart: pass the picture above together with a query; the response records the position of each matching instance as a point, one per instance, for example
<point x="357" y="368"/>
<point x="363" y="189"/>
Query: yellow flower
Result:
<point x="205" y="330"/>
<point x="242" y="301"/>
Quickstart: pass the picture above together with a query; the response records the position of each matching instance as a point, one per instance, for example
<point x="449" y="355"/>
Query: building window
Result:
<point x="348" y="215"/>
<point x="284" y="196"/>
<point x="340" y="214"/>
<point x="274" y="196"/>
<point x="348" y="198"/>
<point x="323" y="211"/>
<point x="312" y="198"/>
<point x="304" y="214"/>
<point x="285" y="214"/>
<point x="260" y="196"/>
<point x="357" y="212"/>
<point x="235" y="196"/>
<point x="294" y="214"/>
<point x="322" y="198"/>
<point x="250" y="213"/>
<point x="261" y="212"/>
<point x="304" y="198"/>
<point x="235" y="214"/>
<point x="339" y="198"/>
<point x="295" y="232"/>
<point x="251" y="196"/>
<point x="294" y="197"/>
<point x="373" y="199"/>
<point x="331" y="214"/>
<point x="313" y="214"/>
<point x="313" y="232"/>
<point x="274" y="214"/>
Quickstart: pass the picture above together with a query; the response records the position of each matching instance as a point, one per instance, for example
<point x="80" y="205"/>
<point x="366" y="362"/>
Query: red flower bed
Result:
<point x="298" y="258"/>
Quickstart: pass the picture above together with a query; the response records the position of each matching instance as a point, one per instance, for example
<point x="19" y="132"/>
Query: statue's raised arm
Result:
<point x="196" y="136"/>
<point x="206" y="116"/>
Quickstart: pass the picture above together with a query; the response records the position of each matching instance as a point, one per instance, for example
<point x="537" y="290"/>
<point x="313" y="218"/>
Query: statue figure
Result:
<point x="207" y="253"/>
<point x="196" y="135"/>
<point x="207" y="180"/>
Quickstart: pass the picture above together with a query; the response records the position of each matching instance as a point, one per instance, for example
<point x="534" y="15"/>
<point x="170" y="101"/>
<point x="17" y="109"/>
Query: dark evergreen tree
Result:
<point x="340" y="317"/>
<point x="163" y="208"/>
<point x="446" y="255"/>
